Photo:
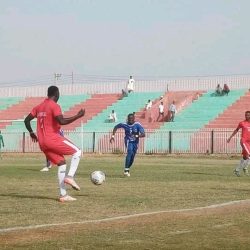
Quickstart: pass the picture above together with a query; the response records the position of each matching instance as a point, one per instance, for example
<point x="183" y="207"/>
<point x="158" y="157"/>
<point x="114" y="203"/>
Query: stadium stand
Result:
<point x="232" y="115"/>
<point x="148" y="117"/>
<point x="20" y="110"/>
<point x="192" y="116"/>
<point x="132" y="103"/>
<point x="7" y="102"/>
<point x="93" y="106"/>
<point x="191" y="119"/>
<point x="227" y="120"/>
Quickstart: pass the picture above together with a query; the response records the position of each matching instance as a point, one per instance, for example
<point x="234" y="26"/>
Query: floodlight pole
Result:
<point x="56" y="77"/>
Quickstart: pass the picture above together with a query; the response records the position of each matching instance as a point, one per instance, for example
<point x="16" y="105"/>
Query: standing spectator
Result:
<point x="172" y="110"/>
<point x="225" y="90"/>
<point x="244" y="142"/>
<point x="133" y="131"/>
<point x="161" y="111"/>
<point x="1" y="143"/>
<point x="112" y="116"/>
<point x="49" y="119"/>
<point x="218" y="90"/>
<point x="149" y="105"/>
<point x="130" y="86"/>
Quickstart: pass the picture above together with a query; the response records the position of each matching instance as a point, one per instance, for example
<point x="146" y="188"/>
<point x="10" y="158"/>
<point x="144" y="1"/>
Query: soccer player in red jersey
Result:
<point x="244" y="142"/>
<point x="55" y="146"/>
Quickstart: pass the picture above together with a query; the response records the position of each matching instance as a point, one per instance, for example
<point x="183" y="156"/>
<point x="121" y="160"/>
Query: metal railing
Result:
<point x="155" y="142"/>
<point x="93" y="85"/>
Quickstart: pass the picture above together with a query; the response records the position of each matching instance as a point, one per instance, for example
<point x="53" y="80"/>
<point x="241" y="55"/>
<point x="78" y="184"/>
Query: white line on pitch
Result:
<point x="10" y="229"/>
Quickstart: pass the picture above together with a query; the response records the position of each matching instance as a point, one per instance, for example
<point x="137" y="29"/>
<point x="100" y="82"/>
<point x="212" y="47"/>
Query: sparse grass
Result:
<point x="157" y="183"/>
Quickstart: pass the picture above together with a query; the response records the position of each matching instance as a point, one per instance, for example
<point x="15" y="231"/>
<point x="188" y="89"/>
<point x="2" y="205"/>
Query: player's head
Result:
<point x="53" y="92"/>
<point x="131" y="119"/>
<point x="247" y="115"/>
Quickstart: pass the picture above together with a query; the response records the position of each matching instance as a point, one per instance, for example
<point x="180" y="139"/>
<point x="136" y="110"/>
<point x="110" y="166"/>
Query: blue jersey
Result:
<point x="131" y="131"/>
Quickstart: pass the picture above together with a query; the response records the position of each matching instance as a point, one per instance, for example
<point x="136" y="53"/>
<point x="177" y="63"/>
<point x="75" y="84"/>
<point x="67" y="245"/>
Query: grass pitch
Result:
<point x="29" y="198"/>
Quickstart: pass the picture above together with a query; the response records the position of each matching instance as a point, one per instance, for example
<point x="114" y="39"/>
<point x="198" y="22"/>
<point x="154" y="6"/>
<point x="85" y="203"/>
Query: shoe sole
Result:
<point x="66" y="200"/>
<point x="77" y="188"/>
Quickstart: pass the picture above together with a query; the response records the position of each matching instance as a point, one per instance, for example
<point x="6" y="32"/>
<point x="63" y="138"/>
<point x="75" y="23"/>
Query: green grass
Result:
<point x="157" y="183"/>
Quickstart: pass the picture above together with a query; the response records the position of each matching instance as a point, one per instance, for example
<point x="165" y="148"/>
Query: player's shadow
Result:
<point x="202" y="173"/>
<point x="119" y="176"/>
<point x="30" y="169"/>
<point x="21" y="196"/>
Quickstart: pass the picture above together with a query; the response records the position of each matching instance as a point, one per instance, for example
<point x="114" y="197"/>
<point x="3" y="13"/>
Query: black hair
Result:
<point x="247" y="112"/>
<point x="131" y="114"/>
<point x="52" y="90"/>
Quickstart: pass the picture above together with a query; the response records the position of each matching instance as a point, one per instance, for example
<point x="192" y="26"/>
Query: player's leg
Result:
<point x="129" y="159"/>
<point x="246" y="146"/>
<point x="244" y="161"/>
<point x="239" y="167"/>
<point x="134" y="147"/>
<point x="62" y="146"/>
<point x="61" y="173"/>
<point x="245" y="168"/>
<point x="47" y="167"/>
<point x="48" y="163"/>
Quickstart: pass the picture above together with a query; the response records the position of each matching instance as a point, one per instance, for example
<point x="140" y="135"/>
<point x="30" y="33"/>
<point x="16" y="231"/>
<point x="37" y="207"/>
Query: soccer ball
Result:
<point x="97" y="177"/>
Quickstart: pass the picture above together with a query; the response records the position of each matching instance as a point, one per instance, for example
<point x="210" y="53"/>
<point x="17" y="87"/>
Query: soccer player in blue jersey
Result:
<point x="133" y="131"/>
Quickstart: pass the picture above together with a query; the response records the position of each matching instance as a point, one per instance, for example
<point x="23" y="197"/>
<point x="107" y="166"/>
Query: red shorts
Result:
<point x="55" y="148"/>
<point x="245" y="148"/>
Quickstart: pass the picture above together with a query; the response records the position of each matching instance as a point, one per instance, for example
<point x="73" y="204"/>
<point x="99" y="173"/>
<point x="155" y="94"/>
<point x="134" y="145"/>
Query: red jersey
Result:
<point x="47" y="125"/>
<point x="245" y="130"/>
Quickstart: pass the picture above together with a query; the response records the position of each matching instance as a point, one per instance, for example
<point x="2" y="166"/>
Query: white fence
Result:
<point x="156" y="142"/>
<point x="92" y="85"/>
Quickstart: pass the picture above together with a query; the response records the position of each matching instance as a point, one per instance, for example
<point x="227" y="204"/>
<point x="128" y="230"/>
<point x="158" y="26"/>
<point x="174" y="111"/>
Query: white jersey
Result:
<point x="130" y="84"/>
<point x="172" y="108"/>
<point x="161" y="108"/>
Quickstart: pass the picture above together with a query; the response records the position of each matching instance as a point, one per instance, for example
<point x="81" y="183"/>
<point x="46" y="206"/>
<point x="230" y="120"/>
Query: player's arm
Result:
<point x="233" y="134"/>
<point x="67" y="120"/>
<point x="141" y="132"/>
<point x="27" y="121"/>
<point x="114" y="131"/>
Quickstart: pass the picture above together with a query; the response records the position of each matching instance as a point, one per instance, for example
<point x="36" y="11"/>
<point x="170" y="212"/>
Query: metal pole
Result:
<point x="23" y="142"/>
<point x="170" y="142"/>
<point x="212" y="141"/>
<point x="93" y="145"/>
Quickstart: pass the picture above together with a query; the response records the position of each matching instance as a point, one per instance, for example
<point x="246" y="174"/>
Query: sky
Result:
<point x="144" y="38"/>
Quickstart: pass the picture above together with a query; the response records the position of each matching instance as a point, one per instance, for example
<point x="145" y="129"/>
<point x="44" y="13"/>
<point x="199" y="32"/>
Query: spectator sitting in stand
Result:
<point x="149" y="105"/>
<point x="225" y="90"/>
<point x="124" y="93"/>
<point x="218" y="90"/>
<point x="112" y="117"/>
